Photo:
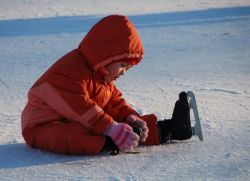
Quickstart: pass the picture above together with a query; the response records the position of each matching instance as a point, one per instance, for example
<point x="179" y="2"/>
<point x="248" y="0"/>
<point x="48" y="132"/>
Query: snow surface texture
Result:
<point x="202" y="46"/>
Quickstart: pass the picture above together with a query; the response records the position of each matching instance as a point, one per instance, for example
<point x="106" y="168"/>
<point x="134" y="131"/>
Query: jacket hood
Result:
<point x="112" y="38"/>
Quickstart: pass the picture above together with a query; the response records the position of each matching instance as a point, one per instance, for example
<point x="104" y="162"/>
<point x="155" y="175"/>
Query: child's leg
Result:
<point x="179" y="126"/>
<point x="153" y="134"/>
<point x="64" y="137"/>
<point x="176" y="128"/>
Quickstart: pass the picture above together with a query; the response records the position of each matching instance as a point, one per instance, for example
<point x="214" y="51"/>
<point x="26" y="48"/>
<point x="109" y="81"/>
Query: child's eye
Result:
<point x="123" y="65"/>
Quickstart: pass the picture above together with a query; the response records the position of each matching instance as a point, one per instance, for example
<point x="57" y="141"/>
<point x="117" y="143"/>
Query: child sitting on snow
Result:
<point x="75" y="108"/>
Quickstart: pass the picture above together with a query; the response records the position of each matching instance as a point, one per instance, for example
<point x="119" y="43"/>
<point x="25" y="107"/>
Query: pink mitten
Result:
<point x="135" y="121"/>
<point x="123" y="136"/>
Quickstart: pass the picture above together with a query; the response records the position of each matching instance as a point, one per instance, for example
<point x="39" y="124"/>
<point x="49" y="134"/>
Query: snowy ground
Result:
<point x="203" y="46"/>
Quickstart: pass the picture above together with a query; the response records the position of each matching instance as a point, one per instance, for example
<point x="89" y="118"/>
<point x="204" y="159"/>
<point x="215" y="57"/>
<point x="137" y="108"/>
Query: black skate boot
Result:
<point x="179" y="126"/>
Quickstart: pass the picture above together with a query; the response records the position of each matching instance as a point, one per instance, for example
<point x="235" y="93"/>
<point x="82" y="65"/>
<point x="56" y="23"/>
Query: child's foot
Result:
<point x="181" y="125"/>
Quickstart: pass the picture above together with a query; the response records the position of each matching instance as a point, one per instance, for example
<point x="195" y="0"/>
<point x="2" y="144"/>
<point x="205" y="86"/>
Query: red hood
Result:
<point x="111" y="39"/>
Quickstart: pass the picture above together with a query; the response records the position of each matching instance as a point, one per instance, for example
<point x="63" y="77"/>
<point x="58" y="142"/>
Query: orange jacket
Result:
<point x="73" y="89"/>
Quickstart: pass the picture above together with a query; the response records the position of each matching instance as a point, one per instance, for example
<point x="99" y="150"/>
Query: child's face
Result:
<point x="115" y="70"/>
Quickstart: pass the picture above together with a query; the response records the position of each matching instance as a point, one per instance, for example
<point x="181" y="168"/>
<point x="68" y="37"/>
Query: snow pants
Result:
<point x="72" y="138"/>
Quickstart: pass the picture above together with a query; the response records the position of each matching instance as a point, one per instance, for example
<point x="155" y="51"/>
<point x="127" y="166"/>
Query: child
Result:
<point x="75" y="108"/>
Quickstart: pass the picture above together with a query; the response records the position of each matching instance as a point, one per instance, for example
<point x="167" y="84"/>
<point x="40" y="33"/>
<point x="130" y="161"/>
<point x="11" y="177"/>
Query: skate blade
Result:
<point x="192" y="104"/>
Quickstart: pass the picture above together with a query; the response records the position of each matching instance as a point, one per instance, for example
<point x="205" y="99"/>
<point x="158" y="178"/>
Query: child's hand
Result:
<point x="137" y="122"/>
<point x="123" y="136"/>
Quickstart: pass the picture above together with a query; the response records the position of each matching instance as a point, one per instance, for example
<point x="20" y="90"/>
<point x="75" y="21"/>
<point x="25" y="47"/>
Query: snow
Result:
<point x="202" y="46"/>
<point x="23" y="9"/>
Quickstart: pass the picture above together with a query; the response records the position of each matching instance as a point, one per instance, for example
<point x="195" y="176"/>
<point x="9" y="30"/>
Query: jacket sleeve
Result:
<point x="118" y="108"/>
<point x="65" y="91"/>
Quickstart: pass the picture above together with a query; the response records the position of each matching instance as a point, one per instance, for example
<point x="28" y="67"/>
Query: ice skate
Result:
<point x="179" y="126"/>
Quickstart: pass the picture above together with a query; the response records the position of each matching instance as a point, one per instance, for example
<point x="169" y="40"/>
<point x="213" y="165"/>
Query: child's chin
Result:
<point x="110" y="81"/>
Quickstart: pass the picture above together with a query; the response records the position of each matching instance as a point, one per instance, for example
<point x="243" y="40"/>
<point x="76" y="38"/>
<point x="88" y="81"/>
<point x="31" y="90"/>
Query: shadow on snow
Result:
<point x="74" y="24"/>
<point x="20" y="155"/>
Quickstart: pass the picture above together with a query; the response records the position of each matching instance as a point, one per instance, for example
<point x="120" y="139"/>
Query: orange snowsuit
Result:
<point x="69" y="106"/>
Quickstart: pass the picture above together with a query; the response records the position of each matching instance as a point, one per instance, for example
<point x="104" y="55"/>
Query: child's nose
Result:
<point x="122" y="72"/>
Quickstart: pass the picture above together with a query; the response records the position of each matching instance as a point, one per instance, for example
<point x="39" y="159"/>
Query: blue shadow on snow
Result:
<point x="20" y="155"/>
<point x="75" y="24"/>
